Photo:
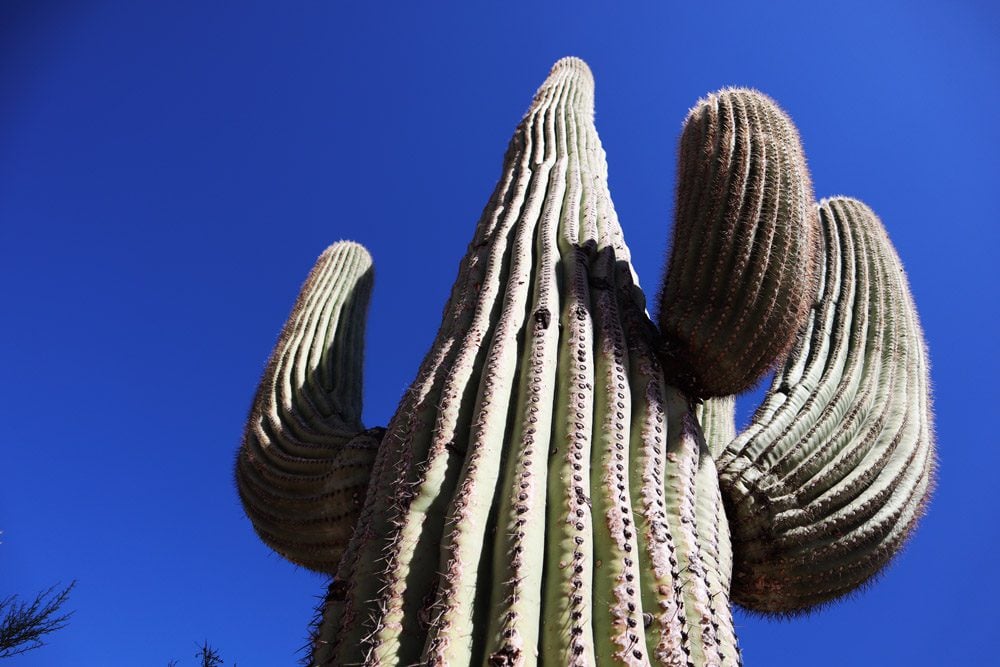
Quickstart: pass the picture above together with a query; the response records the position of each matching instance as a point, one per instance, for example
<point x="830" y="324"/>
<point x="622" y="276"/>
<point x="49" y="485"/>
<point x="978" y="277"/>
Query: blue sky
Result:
<point x="170" y="171"/>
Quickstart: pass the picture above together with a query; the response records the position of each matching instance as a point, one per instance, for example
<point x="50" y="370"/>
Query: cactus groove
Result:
<point x="552" y="489"/>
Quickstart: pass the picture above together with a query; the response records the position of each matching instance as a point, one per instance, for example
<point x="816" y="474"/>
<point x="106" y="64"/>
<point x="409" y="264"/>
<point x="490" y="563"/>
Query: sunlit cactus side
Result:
<point x="548" y="490"/>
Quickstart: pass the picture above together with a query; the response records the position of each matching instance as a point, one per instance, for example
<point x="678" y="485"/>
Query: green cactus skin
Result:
<point x="717" y="419"/>
<point x="543" y="494"/>
<point x="306" y="459"/>
<point x="739" y="281"/>
<point x="836" y="467"/>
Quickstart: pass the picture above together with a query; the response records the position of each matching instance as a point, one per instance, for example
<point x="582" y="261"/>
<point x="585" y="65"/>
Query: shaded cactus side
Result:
<point x="745" y="242"/>
<point x="543" y="492"/>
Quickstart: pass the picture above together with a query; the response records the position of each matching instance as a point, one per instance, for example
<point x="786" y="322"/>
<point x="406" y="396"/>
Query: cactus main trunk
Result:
<point x="541" y="494"/>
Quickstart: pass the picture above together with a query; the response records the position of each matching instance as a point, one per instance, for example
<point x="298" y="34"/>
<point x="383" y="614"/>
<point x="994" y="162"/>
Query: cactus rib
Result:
<point x="717" y="417"/>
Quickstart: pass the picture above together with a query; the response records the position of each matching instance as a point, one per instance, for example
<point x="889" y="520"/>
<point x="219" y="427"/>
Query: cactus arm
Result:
<point x="835" y="469"/>
<point x="715" y="552"/>
<point x="330" y="614"/>
<point x="693" y="514"/>
<point x="738" y="283"/>
<point x="305" y="461"/>
<point x="717" y="417"/>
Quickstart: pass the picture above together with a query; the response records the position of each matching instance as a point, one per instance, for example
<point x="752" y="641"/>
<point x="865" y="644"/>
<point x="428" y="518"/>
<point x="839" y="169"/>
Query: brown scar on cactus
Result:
<point x="563" y="481"/>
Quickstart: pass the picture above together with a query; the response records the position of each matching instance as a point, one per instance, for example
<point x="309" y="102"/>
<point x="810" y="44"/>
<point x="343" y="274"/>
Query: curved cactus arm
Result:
<point x="717" y="417"/>
<point x="305" y="460"/>
<point x="739" y="281"/>
<point x="698" y="520"/>
<point x="826" y="483"/>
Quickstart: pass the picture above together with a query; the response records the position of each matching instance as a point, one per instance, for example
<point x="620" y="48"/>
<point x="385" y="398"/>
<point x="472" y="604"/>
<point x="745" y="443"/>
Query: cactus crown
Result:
<point x="553" y="487"/>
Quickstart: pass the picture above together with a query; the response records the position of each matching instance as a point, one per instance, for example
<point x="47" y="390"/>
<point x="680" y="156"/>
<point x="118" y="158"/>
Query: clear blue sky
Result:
<point x="169" y="171"/>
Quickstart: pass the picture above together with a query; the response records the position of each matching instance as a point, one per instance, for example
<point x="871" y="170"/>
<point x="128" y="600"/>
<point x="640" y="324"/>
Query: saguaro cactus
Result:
<point x="553" y="488"/>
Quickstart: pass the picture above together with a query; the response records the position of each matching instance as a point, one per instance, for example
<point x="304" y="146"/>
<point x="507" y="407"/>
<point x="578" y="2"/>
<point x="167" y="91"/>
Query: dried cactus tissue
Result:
<point x="563" y="482"/>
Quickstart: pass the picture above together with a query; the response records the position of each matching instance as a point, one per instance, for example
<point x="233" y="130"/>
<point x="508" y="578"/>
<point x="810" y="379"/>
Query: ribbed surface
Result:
<point x="739" y="281"/>
<point x="717" y="417"/>
<point x="304" y="465"/>
<point x="687" y="561"/>
<point x="504" y="521"/>
<point x="831" y="476"/>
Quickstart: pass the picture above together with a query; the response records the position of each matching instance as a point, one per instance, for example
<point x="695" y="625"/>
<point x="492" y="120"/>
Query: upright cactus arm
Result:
<point x="305" y="461"/>
<point x="832" y="474"/>
<point x="740" y="278"/>
<point x="717" y="417"/>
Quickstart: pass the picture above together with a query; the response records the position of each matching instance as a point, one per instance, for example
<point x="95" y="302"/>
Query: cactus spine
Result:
<point x="545" y="491"/>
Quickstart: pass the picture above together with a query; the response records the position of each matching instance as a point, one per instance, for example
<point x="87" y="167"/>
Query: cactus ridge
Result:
<point x="739" y="279"/>
<point x="306" y="459"/>
<point x="552" y="488"/>
<point x="836" y="466"/>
